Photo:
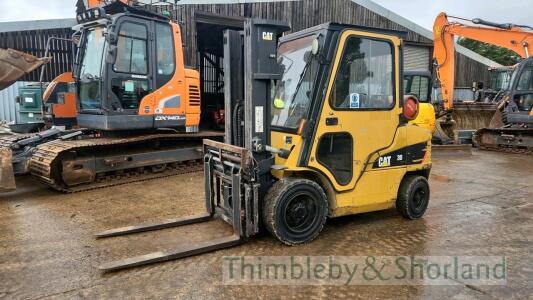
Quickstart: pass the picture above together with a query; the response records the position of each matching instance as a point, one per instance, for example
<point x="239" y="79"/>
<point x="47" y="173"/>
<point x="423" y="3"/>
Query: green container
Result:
<point x="30" y="102"/>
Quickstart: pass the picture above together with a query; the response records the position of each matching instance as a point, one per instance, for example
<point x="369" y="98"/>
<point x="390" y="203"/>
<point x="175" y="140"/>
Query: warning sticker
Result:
<point x="354" y="100"/>
<point x="129" y="86"/>
<point x="259" y="119"/>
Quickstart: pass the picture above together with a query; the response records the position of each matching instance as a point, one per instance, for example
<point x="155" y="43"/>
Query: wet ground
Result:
<point x="480" y="205"/>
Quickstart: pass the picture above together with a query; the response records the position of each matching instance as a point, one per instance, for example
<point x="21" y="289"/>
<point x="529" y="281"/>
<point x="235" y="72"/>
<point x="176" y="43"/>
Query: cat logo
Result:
<point x="268" y="36"/>
<point x="384" y="161"/>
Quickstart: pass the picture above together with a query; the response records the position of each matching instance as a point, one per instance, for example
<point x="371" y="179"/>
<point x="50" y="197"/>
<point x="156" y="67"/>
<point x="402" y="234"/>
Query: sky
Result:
<point x="422" y="12"/>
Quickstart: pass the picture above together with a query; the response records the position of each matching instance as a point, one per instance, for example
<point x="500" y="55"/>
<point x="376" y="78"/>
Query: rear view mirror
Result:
<point x="111" y="37"/>
<point x="111" y="54"/>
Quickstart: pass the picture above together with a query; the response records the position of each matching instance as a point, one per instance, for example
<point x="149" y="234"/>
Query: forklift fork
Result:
<point x="225" y="167"/>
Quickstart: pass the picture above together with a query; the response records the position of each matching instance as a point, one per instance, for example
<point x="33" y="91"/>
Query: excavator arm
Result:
<point x="513" y="37"/>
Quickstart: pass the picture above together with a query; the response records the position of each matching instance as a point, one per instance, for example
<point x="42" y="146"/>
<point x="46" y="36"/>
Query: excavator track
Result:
<point x="8" y="140"/>
<point x="508" y="140"/>
<point x="52" y="162"/>
<point x="132" y="176"/>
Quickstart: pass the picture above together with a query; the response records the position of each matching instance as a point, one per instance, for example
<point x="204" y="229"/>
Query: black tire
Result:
<point x="413" y="197"/>
<point x="295" y="210"/>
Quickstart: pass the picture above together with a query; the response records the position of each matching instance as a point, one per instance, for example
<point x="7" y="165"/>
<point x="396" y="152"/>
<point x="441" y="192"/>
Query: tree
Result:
<point x="498" y="54"/>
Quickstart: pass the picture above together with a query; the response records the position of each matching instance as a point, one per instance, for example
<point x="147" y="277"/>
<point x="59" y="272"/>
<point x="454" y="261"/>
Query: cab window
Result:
<point x="364" y="80"/>
<point x="132" y="56"/>
<point x="417" y="85"/>
<point x="164" y="53"/>
<point x="291" y="96"/>
<point x="525" y="83"/>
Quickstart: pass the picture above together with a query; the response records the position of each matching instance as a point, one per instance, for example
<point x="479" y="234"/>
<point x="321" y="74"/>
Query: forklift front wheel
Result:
<point x="413" y="197"/>
<point x="295" y="210"/>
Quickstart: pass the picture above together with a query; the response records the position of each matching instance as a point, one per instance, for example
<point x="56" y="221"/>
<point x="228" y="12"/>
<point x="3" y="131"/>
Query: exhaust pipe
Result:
<point x="7" y="176"/>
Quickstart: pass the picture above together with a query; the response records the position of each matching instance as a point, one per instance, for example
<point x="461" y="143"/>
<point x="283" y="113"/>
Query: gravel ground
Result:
<point x="480" y="206"/>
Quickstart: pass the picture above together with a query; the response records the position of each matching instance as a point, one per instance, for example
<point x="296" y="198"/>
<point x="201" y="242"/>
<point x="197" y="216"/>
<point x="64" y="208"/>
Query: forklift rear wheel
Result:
<point x="413" y="197"/>
<point x="295" y="210"/>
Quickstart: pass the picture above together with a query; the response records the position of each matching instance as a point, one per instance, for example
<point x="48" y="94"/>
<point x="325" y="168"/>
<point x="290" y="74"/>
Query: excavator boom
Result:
<point x="517" y="39"/>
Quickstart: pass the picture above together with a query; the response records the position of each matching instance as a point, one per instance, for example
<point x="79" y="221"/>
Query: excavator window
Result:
<point x="525" y="83"/>
<point x="130" y="92"/>
<point x="91" y="69"/>
<point x="132" y="56"/>
<point x="165" y="53"/>
<point x="500" y="79"/>
<point x="364" y="79"/>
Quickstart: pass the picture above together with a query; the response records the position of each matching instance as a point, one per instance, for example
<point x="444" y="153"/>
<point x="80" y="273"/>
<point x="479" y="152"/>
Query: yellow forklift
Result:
<point x="322" y="131"/>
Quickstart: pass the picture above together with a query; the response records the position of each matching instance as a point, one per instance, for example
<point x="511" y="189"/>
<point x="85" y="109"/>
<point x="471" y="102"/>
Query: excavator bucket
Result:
<point x="7" y="176"/>
<point x="465" y="116"/>
<point x="473" y="116"/>
<point x="497" y="120"/>
<point x="15" y="64"/>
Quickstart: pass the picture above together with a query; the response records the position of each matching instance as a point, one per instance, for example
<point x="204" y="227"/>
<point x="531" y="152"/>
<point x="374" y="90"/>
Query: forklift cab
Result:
<point x="419" y="84"/>
<point x="342" y="118"/>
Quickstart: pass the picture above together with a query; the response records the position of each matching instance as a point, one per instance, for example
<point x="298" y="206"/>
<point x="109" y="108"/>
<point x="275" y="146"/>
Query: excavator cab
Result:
<point x="522" y="86"/>
<point x="511" y="128"/>
<point x="130" y="72"/>
<point x="518" y="98"/>
<point x="323" y="132"/>
<point x="493" y="121"/>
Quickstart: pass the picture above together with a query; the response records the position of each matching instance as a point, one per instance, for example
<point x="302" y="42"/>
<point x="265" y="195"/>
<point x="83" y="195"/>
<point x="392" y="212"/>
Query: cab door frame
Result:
<point x="111" y="98"/>
<point x="359" y="166"/>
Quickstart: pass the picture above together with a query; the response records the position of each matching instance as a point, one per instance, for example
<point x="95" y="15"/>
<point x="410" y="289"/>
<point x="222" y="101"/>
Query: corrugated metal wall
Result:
<point x="468" y="70"/>
<point x="300" y="14"/>
<point x="8" y="106"/>
<point x="34" y="42"/>
<point x="306" y="13"/>
<point x="416" y="58"/>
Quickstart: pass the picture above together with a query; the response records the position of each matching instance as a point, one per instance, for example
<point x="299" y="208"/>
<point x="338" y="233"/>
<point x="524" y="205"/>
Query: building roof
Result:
<point x="37" y="25"/>
<point x="369" y="4"/>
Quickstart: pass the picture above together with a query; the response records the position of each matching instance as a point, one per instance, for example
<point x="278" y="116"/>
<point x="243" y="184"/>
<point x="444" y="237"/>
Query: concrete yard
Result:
<point x="481" y="205"/>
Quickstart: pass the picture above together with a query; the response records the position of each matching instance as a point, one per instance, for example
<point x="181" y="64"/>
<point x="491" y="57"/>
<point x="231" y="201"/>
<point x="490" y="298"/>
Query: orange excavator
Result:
<point x="511" y="125"/>
<point x="59" y="102"/>
<point x="137" y="106"/>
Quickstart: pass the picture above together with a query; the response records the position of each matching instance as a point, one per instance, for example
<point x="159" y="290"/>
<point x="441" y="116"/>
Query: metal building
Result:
<point x="204" y="23"/>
